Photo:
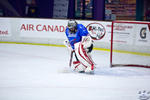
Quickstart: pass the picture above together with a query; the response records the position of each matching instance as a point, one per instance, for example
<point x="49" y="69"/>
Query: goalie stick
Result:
<point x="71" y="56"/>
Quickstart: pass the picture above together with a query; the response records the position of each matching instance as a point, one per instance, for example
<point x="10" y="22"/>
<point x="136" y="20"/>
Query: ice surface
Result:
<point x="29" y="72"/>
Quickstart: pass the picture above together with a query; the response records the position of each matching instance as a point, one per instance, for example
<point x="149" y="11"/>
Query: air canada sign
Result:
<point x="96" y="30"/>
<point x="42" y="28"/>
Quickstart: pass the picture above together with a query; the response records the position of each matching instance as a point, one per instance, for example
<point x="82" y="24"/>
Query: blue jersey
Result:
<point x="76" y="37"/>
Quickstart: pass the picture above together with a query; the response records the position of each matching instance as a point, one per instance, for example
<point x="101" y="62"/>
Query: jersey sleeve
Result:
<point x="66" y="32"/>
<point x="70" y="39"/>
<point x="83" y="30"/>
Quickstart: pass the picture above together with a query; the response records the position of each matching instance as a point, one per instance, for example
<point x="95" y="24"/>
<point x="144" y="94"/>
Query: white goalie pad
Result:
<point x="84" y="58"/>
<point x="78" y="66"/>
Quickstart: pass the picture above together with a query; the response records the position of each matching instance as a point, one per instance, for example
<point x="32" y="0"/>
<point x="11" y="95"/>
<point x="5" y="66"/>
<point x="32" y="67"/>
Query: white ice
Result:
<point x="29" y="72"/>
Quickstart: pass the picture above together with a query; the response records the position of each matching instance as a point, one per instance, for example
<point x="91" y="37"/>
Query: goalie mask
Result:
<point x="72" y="25"/>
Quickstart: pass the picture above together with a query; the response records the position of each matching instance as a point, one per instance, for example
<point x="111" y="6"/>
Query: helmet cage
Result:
<point x="72" y="24"/>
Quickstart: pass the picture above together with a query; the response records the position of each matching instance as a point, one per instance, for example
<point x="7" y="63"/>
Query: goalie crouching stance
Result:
<point x="81" y="44"/>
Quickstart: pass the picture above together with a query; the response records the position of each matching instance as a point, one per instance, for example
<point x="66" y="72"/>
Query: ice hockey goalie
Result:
<point x="80" y="44"/>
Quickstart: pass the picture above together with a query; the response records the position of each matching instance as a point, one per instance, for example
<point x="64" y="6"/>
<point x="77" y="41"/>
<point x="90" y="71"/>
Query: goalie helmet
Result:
<point x="72" y="25"/>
